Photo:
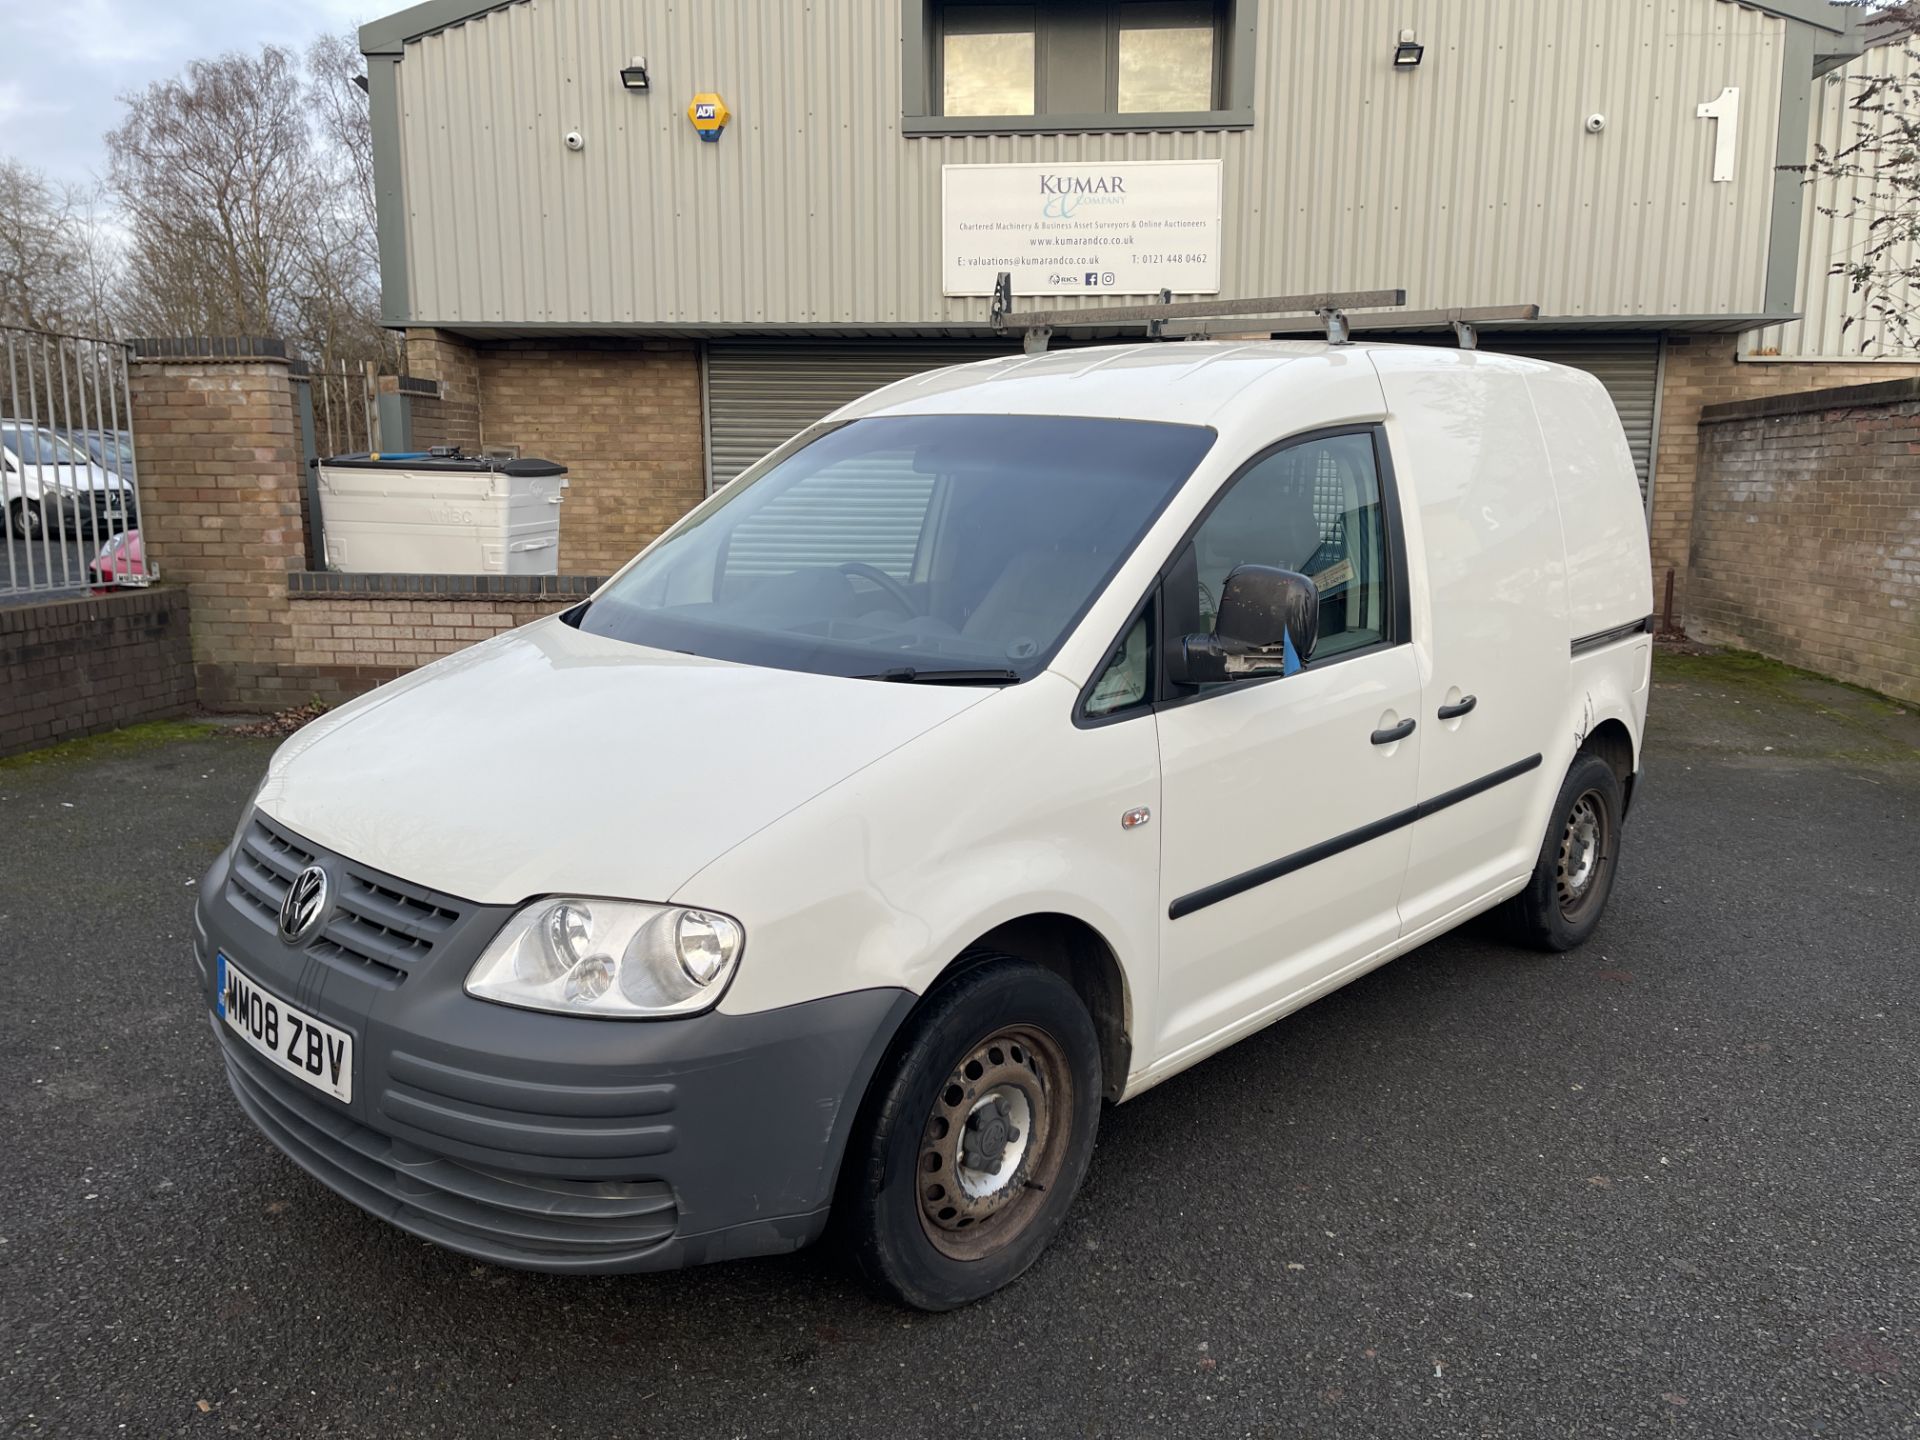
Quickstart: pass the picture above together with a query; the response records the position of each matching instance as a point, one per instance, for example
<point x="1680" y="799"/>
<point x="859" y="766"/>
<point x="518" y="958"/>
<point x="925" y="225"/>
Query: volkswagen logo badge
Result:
<point x="306" y="901"/>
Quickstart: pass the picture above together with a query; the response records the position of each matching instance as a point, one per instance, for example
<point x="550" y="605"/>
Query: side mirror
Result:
<point x="1264" y="612"/>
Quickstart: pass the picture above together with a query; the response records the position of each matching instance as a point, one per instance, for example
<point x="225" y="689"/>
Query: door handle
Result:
<point x="1397" y="732"/>
<point x="1454" y="712"/>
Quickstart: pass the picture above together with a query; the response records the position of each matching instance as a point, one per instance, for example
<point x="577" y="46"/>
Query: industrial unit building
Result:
<point x="652" y="239"/>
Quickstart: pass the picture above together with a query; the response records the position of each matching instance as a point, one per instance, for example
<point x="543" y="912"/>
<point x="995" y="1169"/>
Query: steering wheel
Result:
<point x="894" y="590"/>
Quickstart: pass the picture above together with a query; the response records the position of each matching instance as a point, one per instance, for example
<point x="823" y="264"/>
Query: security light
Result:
<point x="1407" y="53"/>
<point x="634" y="76"/>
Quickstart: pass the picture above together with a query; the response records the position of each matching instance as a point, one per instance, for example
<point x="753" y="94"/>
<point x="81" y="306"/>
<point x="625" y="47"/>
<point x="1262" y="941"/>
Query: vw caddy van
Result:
<point x="1001" y="746"/>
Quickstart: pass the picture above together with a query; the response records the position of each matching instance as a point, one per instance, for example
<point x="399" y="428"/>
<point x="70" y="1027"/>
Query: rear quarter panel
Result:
<point x="1609" y="571"/>
<point x="1609" y="575"/>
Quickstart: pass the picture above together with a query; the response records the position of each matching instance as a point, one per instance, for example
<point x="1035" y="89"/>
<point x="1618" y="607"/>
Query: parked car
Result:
<point x="121" y="561"/>
<point x="110" y="449"/>
<point x="1005" y="744"/>
<point x="50" y="488"/>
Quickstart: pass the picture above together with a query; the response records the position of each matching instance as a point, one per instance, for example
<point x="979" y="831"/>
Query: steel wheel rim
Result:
<point x="1586" y="850"/>
<point x="994" y="1141"/>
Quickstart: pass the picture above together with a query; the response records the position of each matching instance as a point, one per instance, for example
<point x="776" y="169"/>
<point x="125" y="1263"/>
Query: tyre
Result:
<point x="973" y="1142"/>
<point x="1561" y="906"/>
<point x="24" y="521"/>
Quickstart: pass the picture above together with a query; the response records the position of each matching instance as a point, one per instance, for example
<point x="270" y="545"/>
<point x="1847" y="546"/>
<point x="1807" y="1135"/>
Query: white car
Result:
<point x="50" y="490"/>
<point x="1015" y="738"/>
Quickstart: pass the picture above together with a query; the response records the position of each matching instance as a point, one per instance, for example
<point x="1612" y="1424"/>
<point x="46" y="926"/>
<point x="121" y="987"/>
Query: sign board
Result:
<point x="1121" y="227"/>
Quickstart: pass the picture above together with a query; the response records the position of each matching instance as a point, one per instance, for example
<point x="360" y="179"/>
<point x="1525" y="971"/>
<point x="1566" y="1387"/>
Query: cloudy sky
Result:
<point x="67" y="60"/>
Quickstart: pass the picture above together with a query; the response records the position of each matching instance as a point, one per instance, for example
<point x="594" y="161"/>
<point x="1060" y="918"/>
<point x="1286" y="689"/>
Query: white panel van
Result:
<point x="1001" y="746"/>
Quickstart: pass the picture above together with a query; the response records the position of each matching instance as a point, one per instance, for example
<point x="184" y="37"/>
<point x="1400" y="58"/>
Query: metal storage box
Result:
<point x="441" y="514"/>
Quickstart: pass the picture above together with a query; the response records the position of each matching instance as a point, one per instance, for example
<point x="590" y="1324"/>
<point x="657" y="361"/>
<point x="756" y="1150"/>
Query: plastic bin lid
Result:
<point x="470" y="464"/>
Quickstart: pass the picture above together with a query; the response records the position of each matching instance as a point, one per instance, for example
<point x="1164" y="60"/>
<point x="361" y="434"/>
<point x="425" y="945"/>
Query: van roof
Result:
<point x="1189" y="382"/>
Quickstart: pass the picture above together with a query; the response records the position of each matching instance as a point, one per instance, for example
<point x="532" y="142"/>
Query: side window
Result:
<point x="1124" y="682"/>
<point x="1312" y="507"/>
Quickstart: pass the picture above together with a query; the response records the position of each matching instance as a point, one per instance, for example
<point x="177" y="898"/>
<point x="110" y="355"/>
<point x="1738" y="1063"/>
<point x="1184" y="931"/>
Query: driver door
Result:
<point x="1281" y="864"/>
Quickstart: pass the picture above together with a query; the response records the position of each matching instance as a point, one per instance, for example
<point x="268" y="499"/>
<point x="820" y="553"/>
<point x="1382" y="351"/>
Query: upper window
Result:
<point x="986" y="60"/>
<point x="1165" y="56"/>
<point x="1090" y="63"/>
<point x="1314" y="508"/>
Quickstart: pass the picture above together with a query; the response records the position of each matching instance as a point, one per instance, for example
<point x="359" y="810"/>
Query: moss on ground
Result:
<point x="131" y="740"/>
<point x="1738" y="702"/>
<point x="1744" y="668"/>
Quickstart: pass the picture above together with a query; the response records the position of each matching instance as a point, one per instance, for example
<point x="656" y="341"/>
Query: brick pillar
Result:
<point x="220" y="487"/>
<point x="454" y="417"/>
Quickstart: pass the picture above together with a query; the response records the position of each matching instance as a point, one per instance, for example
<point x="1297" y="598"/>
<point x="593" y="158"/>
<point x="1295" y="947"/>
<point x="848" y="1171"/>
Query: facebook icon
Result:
<point x="1093" y="277"/>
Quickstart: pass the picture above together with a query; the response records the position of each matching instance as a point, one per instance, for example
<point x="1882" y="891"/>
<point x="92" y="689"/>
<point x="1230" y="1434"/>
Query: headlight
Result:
<point x="609" y="958"/>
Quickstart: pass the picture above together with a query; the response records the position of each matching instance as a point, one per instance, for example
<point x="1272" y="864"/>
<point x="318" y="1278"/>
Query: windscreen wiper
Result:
<point x="912" y="675"/>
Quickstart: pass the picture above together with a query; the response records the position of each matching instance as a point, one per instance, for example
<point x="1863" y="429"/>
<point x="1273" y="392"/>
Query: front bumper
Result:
<point x="93" y="518"/>
<point x="538" y="1141"/>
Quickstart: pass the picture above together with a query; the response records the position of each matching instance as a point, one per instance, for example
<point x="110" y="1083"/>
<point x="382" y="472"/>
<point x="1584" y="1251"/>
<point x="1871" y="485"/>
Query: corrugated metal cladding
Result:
<point x="761" y="394"/>
<point x="1470" y="180"/>
<point x="1827" y="240"/>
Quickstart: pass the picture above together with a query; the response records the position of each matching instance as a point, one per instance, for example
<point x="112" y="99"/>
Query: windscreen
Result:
<point x="956" y="547"/>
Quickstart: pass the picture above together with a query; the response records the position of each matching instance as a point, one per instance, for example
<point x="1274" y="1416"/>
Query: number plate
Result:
<point x="292" y="1039"/>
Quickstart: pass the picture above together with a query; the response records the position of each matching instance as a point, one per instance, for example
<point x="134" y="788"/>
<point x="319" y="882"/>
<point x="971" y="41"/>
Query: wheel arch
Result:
<point x="1612" y="741"/>
<point x="1079" y="954"/>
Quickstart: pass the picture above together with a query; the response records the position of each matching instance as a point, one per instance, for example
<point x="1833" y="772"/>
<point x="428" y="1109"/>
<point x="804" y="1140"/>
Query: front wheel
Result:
<point x="25" y="521"/>
<point x="1561" y="906"/>
<point x="972" y="1148"/>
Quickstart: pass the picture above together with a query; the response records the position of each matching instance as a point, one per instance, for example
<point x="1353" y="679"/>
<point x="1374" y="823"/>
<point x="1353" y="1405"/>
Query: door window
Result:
<point x="1315" y="508"/>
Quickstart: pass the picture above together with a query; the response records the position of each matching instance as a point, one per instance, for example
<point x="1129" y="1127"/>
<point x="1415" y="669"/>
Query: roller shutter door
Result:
<point x="1628" y="365"/>
<point x="762" y="393"/>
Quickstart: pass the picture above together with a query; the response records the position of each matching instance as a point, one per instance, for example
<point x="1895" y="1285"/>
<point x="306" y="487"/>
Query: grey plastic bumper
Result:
<point x="547" y="1142"/>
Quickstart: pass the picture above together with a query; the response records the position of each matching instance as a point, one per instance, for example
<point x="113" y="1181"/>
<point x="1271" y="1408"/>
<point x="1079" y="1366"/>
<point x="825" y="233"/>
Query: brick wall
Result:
<point x="1806" y="532"/>
<point x="77" y="667"/>
<point x="362" y="641"/>
<point x="622" y="415"/>
<point x="362" y="630"/>
<point x="1700" y="371"/>
<point x="220" y="487"/>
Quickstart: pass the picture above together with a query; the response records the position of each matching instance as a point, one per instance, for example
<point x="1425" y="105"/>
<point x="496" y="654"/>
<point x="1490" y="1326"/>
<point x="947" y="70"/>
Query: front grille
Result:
<point x="490" y="1214"/>
<point x="379" y="927"/>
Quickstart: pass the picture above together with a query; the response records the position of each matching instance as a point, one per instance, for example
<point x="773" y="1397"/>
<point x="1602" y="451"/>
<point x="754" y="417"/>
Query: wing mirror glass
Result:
<point x="1268" y="624"/>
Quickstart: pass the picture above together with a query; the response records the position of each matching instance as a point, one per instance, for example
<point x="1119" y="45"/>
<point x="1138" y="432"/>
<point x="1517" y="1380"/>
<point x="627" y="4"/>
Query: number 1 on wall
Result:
<point x="1724" y="111"/>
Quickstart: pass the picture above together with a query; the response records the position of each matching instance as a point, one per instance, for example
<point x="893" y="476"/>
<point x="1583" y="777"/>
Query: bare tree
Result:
<point x="215" y="176"/>
<point x="340" y="296"/>
<point x="56" y="267"/>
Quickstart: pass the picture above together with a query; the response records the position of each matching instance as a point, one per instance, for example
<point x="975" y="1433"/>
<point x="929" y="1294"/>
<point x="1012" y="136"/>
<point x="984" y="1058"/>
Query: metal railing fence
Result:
<point x="69" y="485"/>
<point x="344" y="416"/>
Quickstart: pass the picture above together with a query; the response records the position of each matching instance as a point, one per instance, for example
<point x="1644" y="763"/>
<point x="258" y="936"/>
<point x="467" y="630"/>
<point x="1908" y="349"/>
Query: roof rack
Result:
<point x="1325" y="311"/>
